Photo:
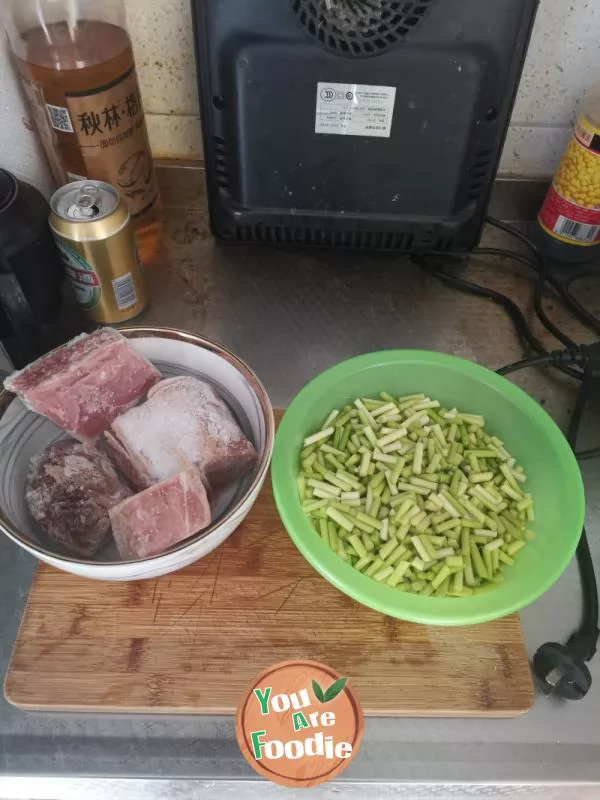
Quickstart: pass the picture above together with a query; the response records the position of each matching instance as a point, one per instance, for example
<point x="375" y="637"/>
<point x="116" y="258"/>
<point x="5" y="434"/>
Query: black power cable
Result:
<point x="561" y="668"/>
<point x="543" y="277"/>
<point x="585" y="455"/>
<point x="539" y="308"/>
<point x="573" y="304"/>
<point x="508" y="254"/>
<point x="516" y="234"/>
<point x="522" y="327"/>
<point x="587" y="637"/>
<point x="560" y="287"/>
<point x="584" y="356"/>
<point x="526" y="362"/>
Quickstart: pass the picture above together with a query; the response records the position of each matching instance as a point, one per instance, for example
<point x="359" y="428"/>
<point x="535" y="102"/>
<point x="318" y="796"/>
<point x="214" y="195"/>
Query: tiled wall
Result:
<point x="563" y="64"/>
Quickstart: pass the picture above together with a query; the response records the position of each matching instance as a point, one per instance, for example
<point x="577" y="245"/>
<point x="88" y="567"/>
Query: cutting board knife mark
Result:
<point x="80" y="615"/>
<point x="214" y="587"/>
<point x="134" y="658"/>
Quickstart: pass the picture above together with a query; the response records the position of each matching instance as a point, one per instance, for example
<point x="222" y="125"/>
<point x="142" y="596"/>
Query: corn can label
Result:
<point x="571" y="210"/>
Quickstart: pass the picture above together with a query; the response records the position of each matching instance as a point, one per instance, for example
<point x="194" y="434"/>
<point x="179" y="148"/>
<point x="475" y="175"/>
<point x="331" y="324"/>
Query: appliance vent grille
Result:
<point x="479" y="173"/>
<point x="443" y="244"/>
<point x="321" y="237"/>
<point x="221" y="162"/>
<point x="360" y="27"/>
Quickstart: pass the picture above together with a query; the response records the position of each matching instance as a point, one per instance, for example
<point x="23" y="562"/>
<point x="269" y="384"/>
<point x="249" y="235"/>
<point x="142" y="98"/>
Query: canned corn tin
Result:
<point x="94" y="233"/>
<point x="571" y="210"/>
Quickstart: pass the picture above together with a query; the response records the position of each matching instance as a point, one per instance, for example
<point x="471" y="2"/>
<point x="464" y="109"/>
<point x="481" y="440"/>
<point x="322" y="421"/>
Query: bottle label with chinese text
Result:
<point x="100" y="133"/>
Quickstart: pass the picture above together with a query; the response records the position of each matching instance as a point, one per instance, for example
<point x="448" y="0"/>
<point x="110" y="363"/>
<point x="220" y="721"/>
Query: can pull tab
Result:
<point x="87" y="203"/>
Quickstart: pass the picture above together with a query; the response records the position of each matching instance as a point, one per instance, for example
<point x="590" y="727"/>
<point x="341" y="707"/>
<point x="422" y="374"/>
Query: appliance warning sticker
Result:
<point x="355" y="109"/>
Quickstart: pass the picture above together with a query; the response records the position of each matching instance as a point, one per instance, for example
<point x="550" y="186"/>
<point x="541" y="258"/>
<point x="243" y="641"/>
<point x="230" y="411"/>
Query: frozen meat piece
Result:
<point x="62" y="358"/>
<point x="130" y="465"/>
<point x="161" y="516"/>
<point x="85" y="384"/>
<point x="70" y="488"/>
<point x="183" y="422"/>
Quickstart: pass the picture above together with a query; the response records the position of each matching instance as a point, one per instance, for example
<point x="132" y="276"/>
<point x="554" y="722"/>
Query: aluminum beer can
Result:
<point x="96" y="238"/>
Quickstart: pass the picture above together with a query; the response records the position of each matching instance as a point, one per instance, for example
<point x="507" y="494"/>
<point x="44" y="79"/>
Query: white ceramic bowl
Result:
<point x="24" y="434"/>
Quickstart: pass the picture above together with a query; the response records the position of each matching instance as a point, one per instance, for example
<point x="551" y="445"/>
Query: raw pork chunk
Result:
<point x="70" y="488"/>
<point x="84" y="385"/>
<point x="163" y="515"/>
<point x="184" y="422"/>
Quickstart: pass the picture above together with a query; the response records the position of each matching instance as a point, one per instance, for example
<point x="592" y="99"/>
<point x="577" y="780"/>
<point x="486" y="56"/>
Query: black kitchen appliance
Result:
<point x="369" y="124"/>
<point x="31" y="272"/>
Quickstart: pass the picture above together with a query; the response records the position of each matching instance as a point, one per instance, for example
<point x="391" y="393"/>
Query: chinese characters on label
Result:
<point x="109" y="124"/>
<point x="111" y="118"/>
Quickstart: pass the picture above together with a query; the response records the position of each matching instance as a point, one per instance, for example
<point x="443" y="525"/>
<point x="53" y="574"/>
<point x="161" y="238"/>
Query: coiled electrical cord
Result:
<point x="561" y="287"/>
<point x="560" y="668"/>
<point x="522" y="327"/>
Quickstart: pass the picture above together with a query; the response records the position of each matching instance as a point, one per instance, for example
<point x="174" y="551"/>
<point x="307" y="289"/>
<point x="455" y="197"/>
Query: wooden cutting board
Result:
<point x="191" y="642"/>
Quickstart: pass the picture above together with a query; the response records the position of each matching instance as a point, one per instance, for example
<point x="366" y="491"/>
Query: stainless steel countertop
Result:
<point x="290" y="314"/>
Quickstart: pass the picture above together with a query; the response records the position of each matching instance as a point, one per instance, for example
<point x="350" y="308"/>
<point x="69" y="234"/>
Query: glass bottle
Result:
<point x="77" y="66"/>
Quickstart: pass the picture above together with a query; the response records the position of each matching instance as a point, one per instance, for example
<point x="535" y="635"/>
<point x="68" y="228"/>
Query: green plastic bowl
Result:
<point x="529" y="433"/>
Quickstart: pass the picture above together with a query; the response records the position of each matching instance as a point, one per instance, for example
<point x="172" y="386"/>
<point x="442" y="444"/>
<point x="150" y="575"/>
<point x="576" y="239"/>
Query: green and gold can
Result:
<point x="94" y="233"/>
